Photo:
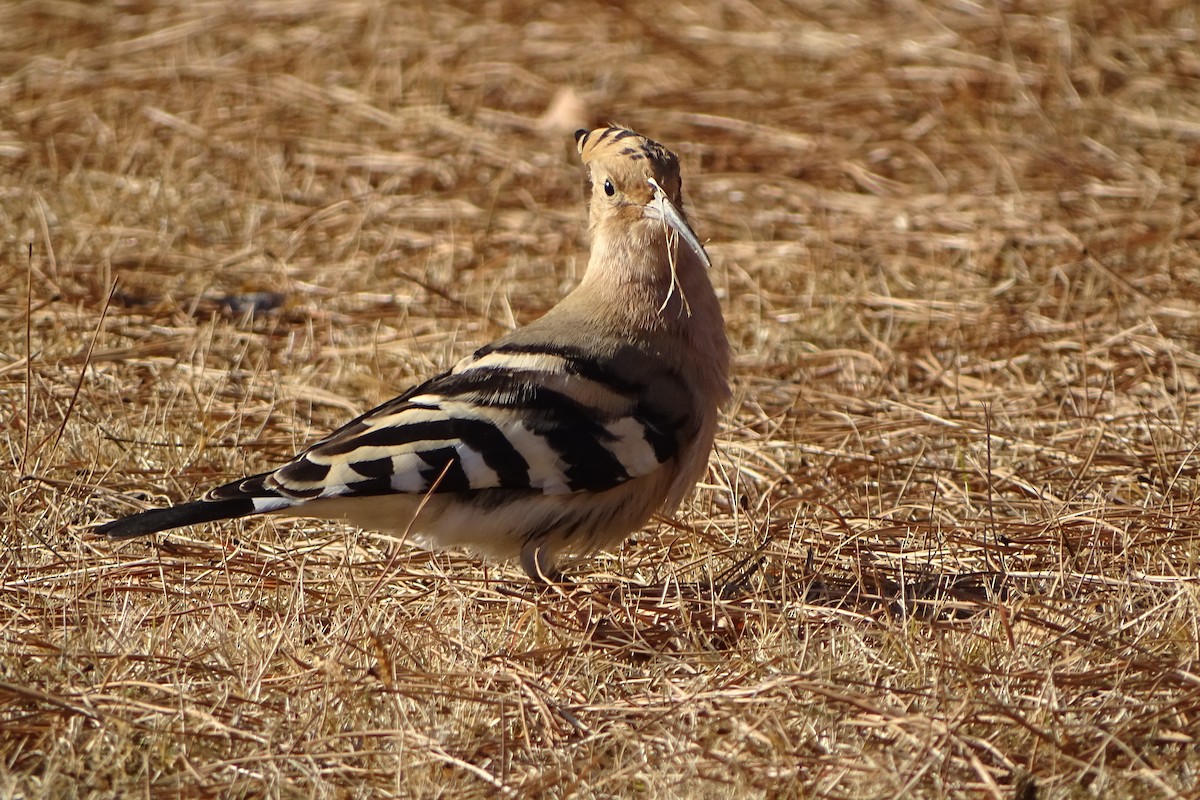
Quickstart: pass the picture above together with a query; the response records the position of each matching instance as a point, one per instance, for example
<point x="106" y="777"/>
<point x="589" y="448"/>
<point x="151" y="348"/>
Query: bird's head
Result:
<point x="632" y="179"/>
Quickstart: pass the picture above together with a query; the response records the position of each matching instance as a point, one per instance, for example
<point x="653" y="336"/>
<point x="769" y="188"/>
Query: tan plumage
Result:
<point x="565" y="435"/>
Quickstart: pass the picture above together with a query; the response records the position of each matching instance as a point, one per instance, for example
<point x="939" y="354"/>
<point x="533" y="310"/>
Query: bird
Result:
<point x="562" y="437"/>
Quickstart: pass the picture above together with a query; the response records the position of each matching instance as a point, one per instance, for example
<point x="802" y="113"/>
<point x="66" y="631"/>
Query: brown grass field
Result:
<point x="947" y="546"/>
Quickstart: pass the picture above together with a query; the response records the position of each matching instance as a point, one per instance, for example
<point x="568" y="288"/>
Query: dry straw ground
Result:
<point x="948" y="545"/>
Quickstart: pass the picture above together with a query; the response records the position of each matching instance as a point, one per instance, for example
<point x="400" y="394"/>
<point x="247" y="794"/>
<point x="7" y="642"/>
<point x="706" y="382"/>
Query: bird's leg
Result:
<point x="535" y="560"/>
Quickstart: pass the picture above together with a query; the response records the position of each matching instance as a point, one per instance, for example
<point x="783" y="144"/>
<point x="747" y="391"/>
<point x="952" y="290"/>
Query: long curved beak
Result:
<point x="660" y="207"/>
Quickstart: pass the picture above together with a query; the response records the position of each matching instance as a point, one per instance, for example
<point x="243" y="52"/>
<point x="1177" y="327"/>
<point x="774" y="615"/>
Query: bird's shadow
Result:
<point x="717" y="613"/>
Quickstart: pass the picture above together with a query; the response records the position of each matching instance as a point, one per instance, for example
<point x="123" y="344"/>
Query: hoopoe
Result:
<point x="564" y="436"/>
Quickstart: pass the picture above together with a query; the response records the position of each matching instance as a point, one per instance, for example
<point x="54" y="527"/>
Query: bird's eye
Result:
<point x="609" y="189"/>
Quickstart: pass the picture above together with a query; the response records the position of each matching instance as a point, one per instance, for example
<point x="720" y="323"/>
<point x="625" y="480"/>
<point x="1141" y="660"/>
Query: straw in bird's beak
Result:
<point x="660" y="207"/>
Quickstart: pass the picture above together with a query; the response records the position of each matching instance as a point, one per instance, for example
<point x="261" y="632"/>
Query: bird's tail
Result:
<point x="238" y="499"/>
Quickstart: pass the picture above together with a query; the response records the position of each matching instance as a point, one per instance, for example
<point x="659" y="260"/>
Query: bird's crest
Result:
<point x="629" y="154"/>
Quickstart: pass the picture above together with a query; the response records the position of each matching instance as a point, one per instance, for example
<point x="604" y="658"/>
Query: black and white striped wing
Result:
<point x="508" y="417"/>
